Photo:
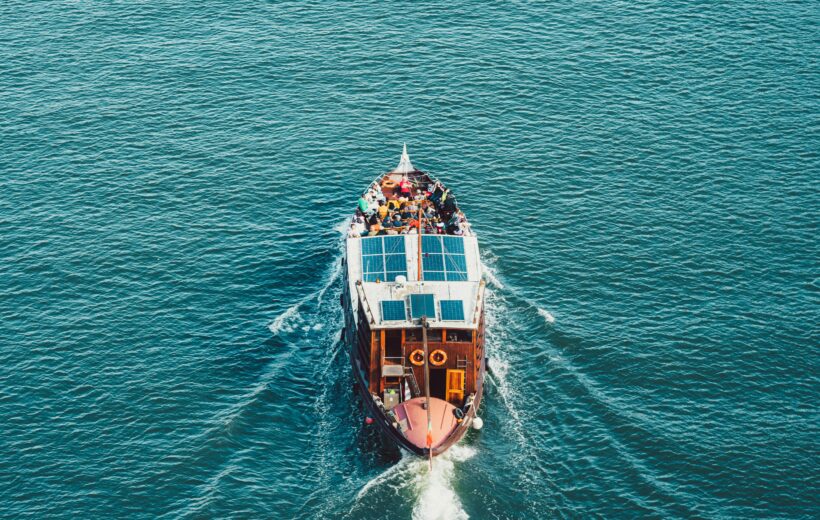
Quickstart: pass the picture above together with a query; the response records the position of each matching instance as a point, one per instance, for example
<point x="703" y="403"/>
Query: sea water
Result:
<point x="643" y="178"/>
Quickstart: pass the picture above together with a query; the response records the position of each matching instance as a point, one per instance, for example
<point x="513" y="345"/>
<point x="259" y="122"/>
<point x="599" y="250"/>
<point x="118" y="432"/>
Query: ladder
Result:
<point x="411" y="378"/>
<point x="461" y="362"/>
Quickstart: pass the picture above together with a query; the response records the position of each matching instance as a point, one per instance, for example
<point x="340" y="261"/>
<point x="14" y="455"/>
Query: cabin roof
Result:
<point x="373" y="278"/>
<point x="442" y="298"/>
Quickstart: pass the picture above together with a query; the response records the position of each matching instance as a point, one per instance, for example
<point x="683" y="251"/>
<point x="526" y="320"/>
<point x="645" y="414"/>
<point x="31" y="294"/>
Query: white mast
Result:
<point x="405" y="166"/>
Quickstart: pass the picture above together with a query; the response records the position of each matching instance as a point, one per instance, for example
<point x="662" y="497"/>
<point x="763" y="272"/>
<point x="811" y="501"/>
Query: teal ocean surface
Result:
<point x="644" y="178"/>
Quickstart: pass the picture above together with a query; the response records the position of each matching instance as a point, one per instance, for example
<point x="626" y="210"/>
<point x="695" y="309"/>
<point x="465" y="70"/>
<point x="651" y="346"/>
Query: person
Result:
<point x="382" y="210"/>
<point x="375" y="228"/>
<point x="363" y="205"/>
<point x="377" y="190"/>
<point x="449" y="206"/>
<point x="397" y="220"/>
<point x="438" y="192"/>
<point x="440" y="227"/>
<point x="387" y="222"/>
<point x="372" y="205"/>
<point x="357" y="228"/>
<point x="393" y="204"/>
<point x="404" y="187"/>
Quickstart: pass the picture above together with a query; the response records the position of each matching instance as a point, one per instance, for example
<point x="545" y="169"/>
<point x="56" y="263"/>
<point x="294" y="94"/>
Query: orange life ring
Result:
<point x="438" y="357"/>
<point x="417" y="357"/>
<point x="389" y="184"/>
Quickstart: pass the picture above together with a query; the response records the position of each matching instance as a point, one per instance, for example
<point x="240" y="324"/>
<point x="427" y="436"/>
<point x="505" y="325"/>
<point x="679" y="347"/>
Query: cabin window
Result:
<point x="383" y="258"/>
<point x="412" y="335"/>
<point x="459" y="335"/>
<point x="443" y="258"/>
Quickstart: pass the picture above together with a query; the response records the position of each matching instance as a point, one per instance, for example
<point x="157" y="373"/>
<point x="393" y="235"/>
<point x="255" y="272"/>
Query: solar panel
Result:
<point x="394" y="245"/>
<point x="431" y="244"/>
<point x="383" y="258"/>
<point x="452" y="310"/>
<point x="423" y="305"/>
<point x="453" y="245"/>
<point x="372" y="246"/>
<point x="443" y="258"/>
<point x="393" y="310"/>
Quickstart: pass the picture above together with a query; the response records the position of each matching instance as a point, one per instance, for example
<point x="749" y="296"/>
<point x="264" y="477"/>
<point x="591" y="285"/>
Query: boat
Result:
<point x="413" y="302"/>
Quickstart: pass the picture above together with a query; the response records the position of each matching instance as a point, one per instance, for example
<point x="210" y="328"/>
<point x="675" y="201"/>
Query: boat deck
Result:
<point x="412" y="418"/>
<point x="414" y="202"/>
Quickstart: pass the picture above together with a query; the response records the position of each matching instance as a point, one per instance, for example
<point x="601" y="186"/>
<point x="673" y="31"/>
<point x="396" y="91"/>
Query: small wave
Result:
<point x="547" y="315"/>
<point x="288" y="320"/>
<point x="342" y="226"/>
<point x="491" y="276"/>
<point x="278" y="325"/>
<point x="386" y="475"/>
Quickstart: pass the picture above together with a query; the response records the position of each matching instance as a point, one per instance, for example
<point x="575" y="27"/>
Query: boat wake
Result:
<point x="437" y="499"/>
<point x="292" y="319"/>
<point x="432" y="492"/>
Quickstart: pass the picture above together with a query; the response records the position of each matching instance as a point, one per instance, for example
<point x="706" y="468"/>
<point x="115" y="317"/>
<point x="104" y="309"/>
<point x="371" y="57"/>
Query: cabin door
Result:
<point x="438" y="383"/>
<point x="455" y="386"/>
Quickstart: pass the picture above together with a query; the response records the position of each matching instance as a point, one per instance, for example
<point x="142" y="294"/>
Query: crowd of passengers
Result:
<point x="430" y="208"/>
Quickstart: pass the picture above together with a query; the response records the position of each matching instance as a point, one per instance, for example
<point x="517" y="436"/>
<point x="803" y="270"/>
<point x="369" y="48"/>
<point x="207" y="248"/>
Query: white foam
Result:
<point x="386" y="475"/>
<point x="490" y="275"/>
<point x="437" y="498"/>
<point x="547" y="315"/>
<point x="342" y="226"/>
<point x="282" y="321"/>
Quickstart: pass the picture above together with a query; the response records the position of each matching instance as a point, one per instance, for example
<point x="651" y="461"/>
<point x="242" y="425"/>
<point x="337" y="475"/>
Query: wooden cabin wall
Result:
<point x="454" y="350"/>
<point x="368" y="345"/>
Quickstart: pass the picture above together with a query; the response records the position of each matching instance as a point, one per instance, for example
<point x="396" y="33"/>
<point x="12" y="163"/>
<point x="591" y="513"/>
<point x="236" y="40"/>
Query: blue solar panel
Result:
<point x="394" y="245"/>
<point x="453" y="245"/>
<point x="423" y="305"/>
<point x="432" y="262"/>
<point x="395" y="262"/>
<point x="383" y="258"/>
<point x="393" y="310"/>
<point x="372" y="246"/>
<point x="452" y="310"/>
<point x="443" y="258"/>
<point x="373" y="264"/>
<point x="431" y="244"/>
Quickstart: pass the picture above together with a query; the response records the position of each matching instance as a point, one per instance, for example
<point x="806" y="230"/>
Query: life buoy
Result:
<point x="438" y="357"/>
<point x="389" y="184"/>
<point x="459" y="413"/>
<point x="417" y="357"/>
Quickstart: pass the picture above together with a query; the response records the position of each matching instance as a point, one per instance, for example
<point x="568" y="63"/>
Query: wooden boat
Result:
<point x="414" y="312"/>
